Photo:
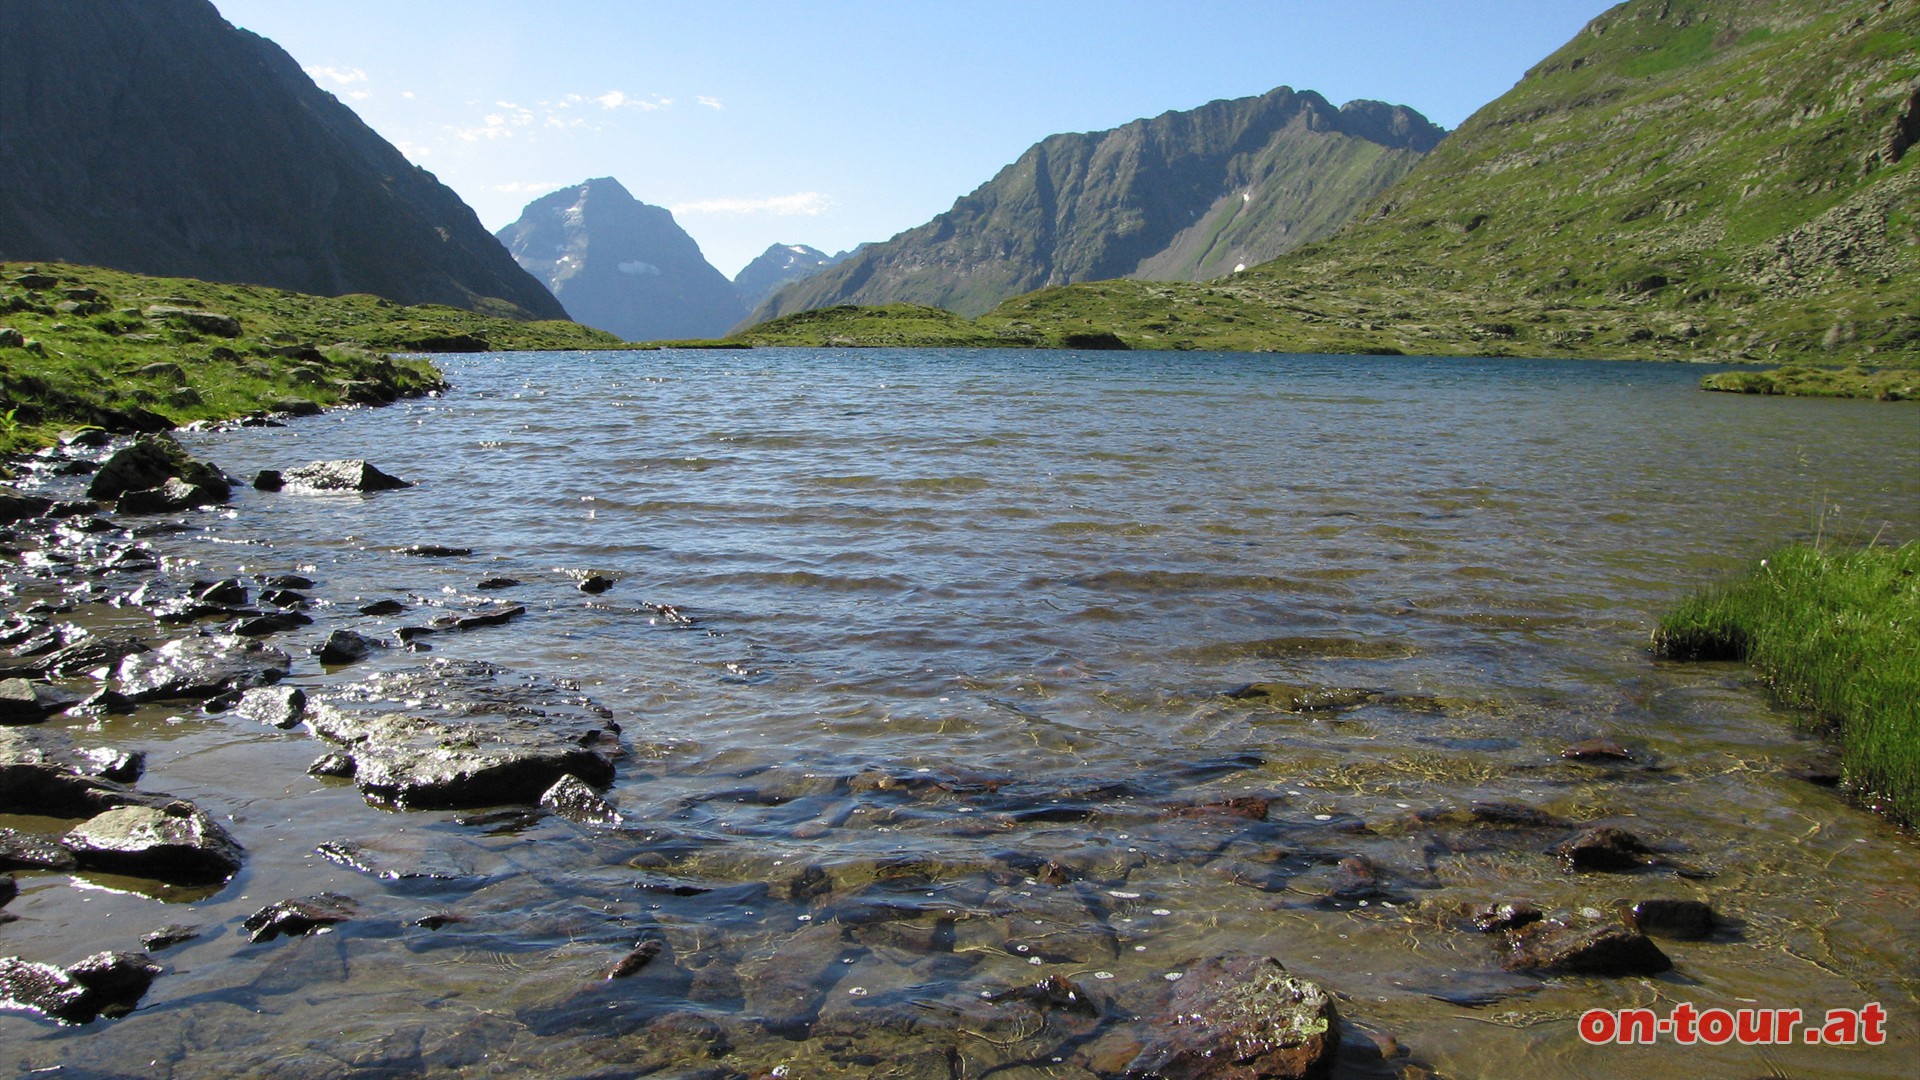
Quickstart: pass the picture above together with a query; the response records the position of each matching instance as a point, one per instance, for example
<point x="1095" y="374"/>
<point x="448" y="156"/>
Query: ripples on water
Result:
<point x="929" y="621"/>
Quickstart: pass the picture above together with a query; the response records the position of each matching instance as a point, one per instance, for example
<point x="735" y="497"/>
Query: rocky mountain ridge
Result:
<point x="779" y="265"/>
<point x="1187" y="195"/>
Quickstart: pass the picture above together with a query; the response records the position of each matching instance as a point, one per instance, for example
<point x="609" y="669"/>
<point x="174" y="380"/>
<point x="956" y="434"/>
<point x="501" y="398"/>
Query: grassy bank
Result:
<point x="83" y="345"/>
<point x="1854" y="381"/>
<point x="1837" y="634"/>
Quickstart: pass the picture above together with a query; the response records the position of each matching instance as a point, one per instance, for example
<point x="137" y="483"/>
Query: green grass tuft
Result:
<point x="1837" y="634"/>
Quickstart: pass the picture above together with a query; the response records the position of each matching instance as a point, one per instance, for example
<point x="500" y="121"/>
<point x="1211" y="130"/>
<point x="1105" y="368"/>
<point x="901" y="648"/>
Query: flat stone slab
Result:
<point x="201" y="667"/>
<point x="461" y="734"/>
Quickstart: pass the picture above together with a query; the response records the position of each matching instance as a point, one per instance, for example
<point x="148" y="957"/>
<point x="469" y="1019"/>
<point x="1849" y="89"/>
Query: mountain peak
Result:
<point x="621" y="265"/>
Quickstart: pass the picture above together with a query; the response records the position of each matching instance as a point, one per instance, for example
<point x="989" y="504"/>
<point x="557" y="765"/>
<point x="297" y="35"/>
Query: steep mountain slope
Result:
<point x="1185" y="195"/>
<point x="1726" y="179"/>
<point x="779" y="265"/>
<point x="621" y="265"/>
<point x="156" y="138"/>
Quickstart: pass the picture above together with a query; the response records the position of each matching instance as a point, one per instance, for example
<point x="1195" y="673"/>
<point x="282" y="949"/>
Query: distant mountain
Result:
<point x="621" y="265"/>
<point x="779" y="265"/>
<point x="1707" y="179"/>
<point x="154" y="137"/>
<point x="1184" y="196"/>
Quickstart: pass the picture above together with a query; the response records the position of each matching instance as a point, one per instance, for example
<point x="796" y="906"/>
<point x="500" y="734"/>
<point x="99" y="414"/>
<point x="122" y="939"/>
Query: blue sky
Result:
<point x="834" y="122"/>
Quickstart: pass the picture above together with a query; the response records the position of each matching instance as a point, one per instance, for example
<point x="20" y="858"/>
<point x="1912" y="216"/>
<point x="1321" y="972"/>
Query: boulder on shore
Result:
<point x="149" y="462"/>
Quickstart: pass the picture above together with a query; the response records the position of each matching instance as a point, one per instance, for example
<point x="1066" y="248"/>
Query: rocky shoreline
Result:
<point x="100" y="624"/>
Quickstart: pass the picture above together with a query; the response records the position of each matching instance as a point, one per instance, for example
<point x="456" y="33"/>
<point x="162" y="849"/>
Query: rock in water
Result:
<point x="170" y="497"/>
<point x="1603" y="848"/>
<point x="1598" y="948"/>
<point x="278" y="706"/>
<point x="347" y="475"/>
<point x="148" y="463"/>
<point x="1686" y="920"/>
<point x="201" y="667"/>
<point x="344" y="647"/>
<point x="490" y="738"/>
<point x="104" y="984"/>
<point x="24" y="702"/>
<point x="571" y="798"/>
<point x="1241" y="1018"/>
<point x="295" y="918"/>
<point x="175" y="842"/>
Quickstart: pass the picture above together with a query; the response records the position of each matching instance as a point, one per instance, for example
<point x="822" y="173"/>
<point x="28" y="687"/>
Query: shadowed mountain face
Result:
<point x="779" y="265"/>
<point x="1184" y="196"/>
<point x="621" y="265"/>
<point x="154" y="137"/>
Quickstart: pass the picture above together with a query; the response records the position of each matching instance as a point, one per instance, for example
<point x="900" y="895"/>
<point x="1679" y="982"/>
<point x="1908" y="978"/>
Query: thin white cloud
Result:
<point x="619" y="99"/>
<point x="802" y="203"/>
<point x="338" y="76"/>
<point x="492" y="127"/>
<point x="711" y="103"/>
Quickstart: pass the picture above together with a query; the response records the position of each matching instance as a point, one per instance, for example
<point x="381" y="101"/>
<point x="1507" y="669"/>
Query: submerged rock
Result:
<point x="1597" y="948"/>
<point x="1504" y="915"/>
<point x="347" y="475"/>
<point x="784" y="986"/>
<point x="1240" y="1018"/>
<point x="104" y="984"/>
<point x="176" y="842"/>
<point x="1603" y="848"/>
<point x="1685" y="920"/>
<point x="1292" y="697"/>
<point x="170" y="935"/>
<point x="458" y="734"/>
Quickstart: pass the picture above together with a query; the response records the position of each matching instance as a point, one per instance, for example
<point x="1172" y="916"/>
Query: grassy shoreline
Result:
<point x="83" y="345"/>
<point x="1836" y="634"/>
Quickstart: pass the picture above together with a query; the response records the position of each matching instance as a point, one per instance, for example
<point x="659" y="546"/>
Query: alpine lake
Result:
<point x="939" y="674"/>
